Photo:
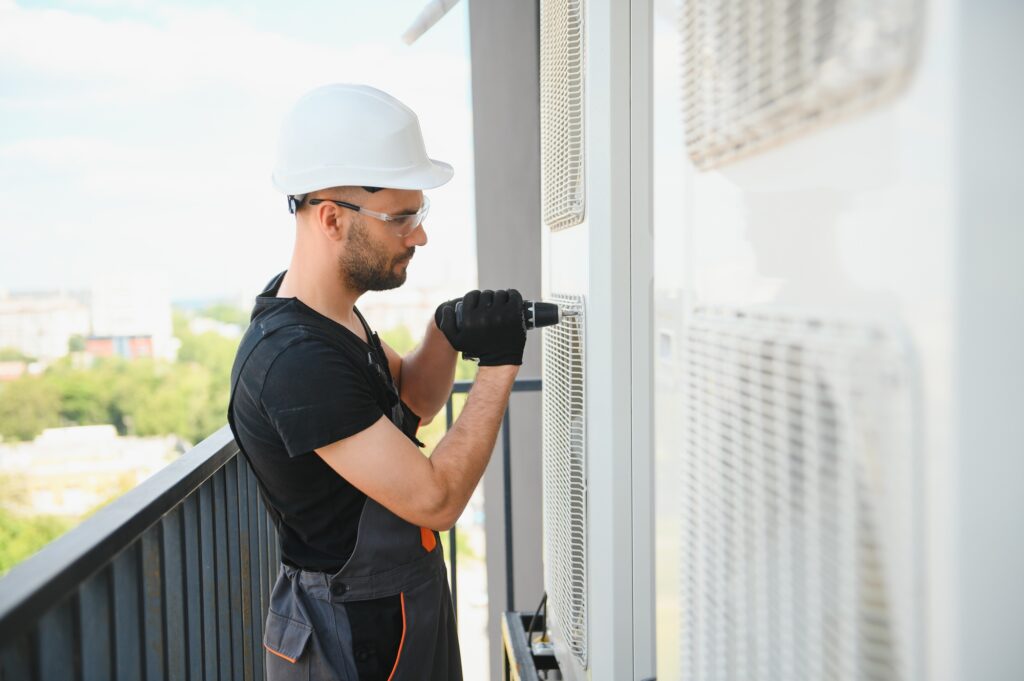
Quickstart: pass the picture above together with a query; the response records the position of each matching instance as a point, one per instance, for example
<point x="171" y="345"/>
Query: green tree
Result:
<point x="85" y="394"/>
<point x="27" y="405"/>
<point x="180" y="404"/>
<point x="20" y="537"/>
<point x="14" y="355"/>
<point x="210" y="350"/>
<point x="215" y="354"/>
<point x="399" y="338"/>
<point x="179" y="323"/>
<point x="229" y="314"/>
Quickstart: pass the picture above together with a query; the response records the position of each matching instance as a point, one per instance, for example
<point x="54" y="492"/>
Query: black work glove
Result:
<point x="440" y="310"/>
<point x="492" y="327"/>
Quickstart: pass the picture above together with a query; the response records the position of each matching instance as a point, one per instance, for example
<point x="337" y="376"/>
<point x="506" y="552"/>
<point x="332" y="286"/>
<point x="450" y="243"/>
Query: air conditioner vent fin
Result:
<point x="756" y="73"/>
<point x="564" y="478"/>
<point x="798" y="516"/>
<point x="561" y="113"/>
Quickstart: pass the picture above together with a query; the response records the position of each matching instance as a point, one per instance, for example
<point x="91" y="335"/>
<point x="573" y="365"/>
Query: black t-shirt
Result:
<point x="303" y="388"/>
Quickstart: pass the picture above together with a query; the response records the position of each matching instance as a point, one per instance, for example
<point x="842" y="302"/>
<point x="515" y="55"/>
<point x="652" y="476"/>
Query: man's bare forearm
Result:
<point x="428" y="373"/>
<point x="460" y="458"/>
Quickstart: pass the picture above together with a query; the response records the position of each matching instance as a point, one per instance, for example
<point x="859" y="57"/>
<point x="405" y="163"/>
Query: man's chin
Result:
<point x="392" y="284"/>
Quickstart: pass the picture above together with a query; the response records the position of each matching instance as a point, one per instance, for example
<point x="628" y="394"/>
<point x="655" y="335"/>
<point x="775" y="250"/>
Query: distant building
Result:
<point x="128" y="307"/>
<point x="12" y="370"/>
<point x="40" y="325"/>
<point x="124" y="315"/>
<point x="127" y="347"/>
<point x="71" y="471"/>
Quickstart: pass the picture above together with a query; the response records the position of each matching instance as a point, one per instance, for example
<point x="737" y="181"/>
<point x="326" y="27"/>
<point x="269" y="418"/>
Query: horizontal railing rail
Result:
<point x="169" y="581"/>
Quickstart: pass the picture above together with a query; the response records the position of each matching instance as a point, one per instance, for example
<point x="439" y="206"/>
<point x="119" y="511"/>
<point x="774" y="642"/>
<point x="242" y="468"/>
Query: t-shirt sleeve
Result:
<point x="314" y="395"/>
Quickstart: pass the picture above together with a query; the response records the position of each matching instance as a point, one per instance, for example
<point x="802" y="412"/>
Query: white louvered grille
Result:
<point x="798" y="558"/>
<point x="757" y="72"/>
<point x="565" y="482"/>
<point x="561" y="112"/>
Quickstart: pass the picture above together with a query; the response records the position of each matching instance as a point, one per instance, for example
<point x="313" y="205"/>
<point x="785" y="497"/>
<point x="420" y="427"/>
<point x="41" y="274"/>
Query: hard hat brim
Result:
<point x="428" y="176"/>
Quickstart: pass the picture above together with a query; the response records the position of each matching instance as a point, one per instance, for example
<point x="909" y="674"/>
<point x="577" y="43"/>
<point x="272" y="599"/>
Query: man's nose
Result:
<point x="418" y="236"/>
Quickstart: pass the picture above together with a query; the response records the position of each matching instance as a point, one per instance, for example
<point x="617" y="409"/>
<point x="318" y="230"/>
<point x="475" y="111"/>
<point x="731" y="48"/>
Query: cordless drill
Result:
<point x="535" y="314"/>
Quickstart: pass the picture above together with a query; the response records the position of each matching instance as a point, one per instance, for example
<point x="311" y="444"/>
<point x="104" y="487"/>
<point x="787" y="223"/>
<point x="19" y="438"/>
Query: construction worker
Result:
<point x="326" y="413"/>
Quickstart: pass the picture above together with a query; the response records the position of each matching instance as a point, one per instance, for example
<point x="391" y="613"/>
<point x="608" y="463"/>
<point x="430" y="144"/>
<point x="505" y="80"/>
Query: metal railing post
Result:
<point x="448" y="417"/>
<point x="506" y="468"/>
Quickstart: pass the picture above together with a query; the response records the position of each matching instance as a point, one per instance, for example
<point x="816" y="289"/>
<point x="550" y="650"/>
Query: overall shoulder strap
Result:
<point x="372" y="338"/>
<point x="382" y="358"/>
<point x="407" y="422"/>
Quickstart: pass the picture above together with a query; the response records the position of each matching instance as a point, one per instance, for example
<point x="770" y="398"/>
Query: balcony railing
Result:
<point x="170" y="581"/>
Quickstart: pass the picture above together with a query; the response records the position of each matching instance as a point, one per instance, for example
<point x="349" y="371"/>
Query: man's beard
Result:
<point x="364" y="269"/>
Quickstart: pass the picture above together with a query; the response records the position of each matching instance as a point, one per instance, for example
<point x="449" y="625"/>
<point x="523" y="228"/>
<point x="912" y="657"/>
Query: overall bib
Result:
<point x="308" y="634"/>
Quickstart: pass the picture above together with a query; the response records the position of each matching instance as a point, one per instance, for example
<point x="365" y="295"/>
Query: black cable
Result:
<point x="529" y="631"/>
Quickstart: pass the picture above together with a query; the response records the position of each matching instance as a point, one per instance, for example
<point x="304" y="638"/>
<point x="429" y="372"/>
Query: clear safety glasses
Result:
<point x="401" y="225"/>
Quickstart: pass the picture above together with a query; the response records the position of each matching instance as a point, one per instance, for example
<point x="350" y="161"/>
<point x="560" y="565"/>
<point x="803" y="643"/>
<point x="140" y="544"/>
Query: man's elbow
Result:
<point x="442" y="524"/>
<point x="429" y="412"/>
<point x="444" y="519"/>
<point x="442" y="511"/>
<point x="426" y="413"/>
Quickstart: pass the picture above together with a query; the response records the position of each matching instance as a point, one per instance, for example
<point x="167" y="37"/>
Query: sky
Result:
<point x="138" y="136"/>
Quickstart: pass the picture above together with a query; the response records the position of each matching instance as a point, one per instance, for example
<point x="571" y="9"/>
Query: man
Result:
<point x="326" y="413"/>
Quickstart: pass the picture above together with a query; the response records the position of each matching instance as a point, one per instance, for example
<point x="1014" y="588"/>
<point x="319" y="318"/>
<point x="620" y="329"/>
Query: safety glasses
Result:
<point x="401" y="225"/>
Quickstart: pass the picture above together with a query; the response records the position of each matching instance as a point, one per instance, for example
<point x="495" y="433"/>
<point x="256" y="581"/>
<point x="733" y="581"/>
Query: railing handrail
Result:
<point x="45" y="579"/>
<point x="520" y="385"/>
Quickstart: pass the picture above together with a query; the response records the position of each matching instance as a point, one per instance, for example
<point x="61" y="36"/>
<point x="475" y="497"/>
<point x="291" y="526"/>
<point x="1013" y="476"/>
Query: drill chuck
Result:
<point x="538" y="314"/>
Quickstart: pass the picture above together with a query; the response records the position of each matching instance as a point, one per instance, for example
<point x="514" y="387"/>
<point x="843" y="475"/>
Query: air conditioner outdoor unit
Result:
<point x="596" y="404"/>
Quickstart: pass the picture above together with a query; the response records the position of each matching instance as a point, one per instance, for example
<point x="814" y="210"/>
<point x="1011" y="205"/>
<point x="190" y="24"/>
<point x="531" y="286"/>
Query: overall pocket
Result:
<point x="285" y="641"/>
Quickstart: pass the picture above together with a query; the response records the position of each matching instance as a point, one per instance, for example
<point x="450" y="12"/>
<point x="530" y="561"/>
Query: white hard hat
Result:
<point x="353" y="135"/>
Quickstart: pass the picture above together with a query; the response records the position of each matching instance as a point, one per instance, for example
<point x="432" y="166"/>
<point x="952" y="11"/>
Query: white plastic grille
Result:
<point x="565" y="481"/>
<point x="798" y="554"/>
<point x="757" y="72"/>
<point x="561" y="112"/>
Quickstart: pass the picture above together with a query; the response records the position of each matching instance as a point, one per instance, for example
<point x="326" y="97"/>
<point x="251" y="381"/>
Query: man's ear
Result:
<point x="332" y="221"/>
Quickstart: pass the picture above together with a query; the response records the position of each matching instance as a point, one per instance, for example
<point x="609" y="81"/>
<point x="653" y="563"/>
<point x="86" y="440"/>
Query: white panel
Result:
<point x="755" y="73"/>
<point x="798" y="520"/>
<point x="561" y="113"/>
<point x="565" y="483"/>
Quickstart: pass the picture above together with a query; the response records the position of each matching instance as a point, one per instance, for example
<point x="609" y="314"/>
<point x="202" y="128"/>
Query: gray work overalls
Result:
<point x="307" y="633"/>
